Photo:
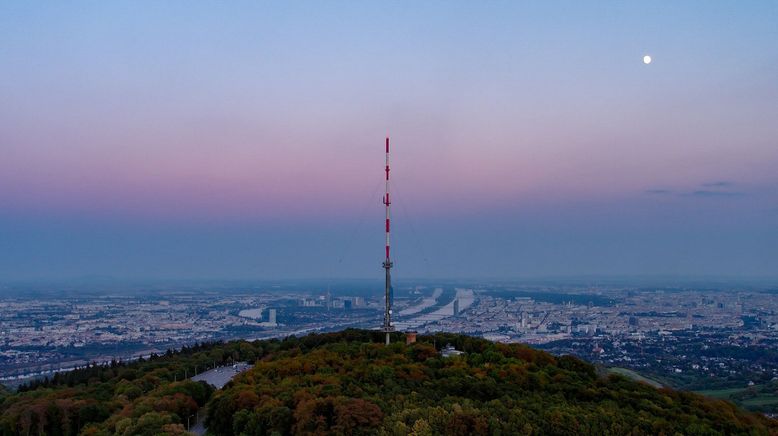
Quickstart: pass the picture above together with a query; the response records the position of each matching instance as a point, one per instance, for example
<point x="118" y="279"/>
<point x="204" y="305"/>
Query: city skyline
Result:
<point x="194" y="141"/>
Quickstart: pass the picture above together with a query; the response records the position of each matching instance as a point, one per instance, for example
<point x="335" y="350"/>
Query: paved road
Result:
<point x="217" y="378"/>
<point x="199" y="427"/>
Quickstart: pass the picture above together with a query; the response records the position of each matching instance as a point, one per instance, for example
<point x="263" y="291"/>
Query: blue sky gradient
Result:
<point x="245" y="140"/>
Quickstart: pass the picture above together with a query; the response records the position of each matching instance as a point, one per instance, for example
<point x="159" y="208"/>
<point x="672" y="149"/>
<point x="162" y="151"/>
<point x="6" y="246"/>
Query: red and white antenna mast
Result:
<point x="388" y="328"/>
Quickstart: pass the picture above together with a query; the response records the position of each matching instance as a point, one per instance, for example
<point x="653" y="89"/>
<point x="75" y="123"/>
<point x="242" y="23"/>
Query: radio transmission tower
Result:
<point x="388" y="262"/>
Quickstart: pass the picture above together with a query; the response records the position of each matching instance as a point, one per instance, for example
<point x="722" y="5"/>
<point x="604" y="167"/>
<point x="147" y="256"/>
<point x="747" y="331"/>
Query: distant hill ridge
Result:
<point x="350" y="383"/>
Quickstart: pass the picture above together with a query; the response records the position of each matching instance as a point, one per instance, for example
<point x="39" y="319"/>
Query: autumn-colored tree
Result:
<point x="353" y="415"/>
<point x="246" y="399"/>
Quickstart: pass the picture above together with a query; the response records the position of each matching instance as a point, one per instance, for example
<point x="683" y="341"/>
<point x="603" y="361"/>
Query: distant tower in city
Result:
<point x="271" y="319"/>
<point x="387" y="262"/>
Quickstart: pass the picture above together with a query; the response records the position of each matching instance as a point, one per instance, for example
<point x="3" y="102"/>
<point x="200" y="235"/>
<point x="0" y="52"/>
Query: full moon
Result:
<point x="646" y="59"/>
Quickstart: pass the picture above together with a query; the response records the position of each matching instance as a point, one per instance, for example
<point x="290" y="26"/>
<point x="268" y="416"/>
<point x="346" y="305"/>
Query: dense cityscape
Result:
<point x="695" y="339"/>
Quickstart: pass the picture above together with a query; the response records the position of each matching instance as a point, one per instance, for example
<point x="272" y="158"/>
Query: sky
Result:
<point x="143" y="139"/>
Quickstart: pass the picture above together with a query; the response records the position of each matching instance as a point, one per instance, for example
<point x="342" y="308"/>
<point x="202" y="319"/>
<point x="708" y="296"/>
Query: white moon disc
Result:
<point x="646" y="59"/>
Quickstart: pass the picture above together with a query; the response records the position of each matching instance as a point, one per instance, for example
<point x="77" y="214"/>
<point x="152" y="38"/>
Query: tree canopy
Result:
<point x="350" y="383"/>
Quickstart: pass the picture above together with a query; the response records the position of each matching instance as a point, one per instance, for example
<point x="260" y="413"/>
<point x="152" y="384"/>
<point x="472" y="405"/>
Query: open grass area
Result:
<point x="764" y="401"/>
<point x="761" y="401"/>
<point x="723" y="394"/>
<point x="635" y="376"/>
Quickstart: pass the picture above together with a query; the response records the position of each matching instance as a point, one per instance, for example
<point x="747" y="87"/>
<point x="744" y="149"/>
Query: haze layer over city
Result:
<point x="595" y="179"/>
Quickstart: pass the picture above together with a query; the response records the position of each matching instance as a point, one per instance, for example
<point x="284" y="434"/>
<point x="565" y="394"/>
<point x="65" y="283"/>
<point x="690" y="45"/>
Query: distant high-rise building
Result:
<point x="347" y="304"/>
<point x="271" y="319"/>
<point x="307" y="302"/>
<point x="456" y="306"/>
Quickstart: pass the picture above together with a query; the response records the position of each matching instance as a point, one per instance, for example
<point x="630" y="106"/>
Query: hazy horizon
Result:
<point x="201" y="141"/>
<point x="107" y="283"/>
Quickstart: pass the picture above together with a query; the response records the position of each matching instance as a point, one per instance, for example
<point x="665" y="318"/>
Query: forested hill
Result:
<point x="350" y="383"/>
